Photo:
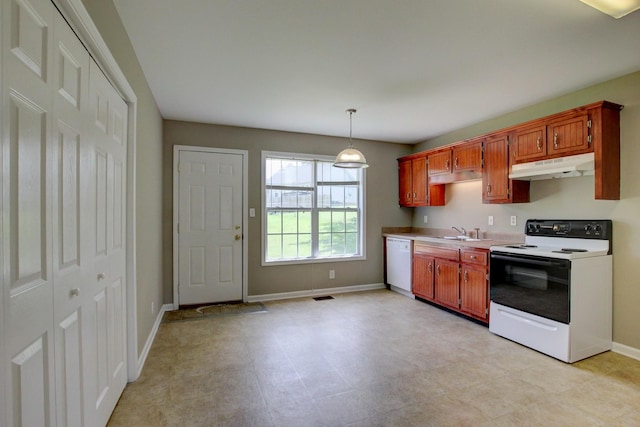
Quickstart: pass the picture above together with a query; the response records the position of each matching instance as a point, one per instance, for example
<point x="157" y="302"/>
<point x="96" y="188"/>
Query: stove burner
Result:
<point x="521" y="246"/>
<point x="569" y="251"/>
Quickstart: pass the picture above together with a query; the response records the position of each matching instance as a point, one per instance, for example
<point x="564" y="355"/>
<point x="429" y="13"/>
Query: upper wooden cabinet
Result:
<point x="593" y="128"/>
<point x="569" y="136"/>
<point x="529" y="144"/>
<point x="467" y="156"/>
<point x="440" y="163"/>
<point x="496" y="185"/>
<point x="462" y="162"/>
<point x="413" y="184"/>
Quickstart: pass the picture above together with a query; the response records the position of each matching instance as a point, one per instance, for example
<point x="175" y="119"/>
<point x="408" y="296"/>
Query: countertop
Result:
<point x="432" y="238"/>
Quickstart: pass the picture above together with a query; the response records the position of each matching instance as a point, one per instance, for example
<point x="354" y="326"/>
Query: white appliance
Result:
<point x="562" y="167"/>
<point x="399" y="265"/>
<point x="554" y="292"/>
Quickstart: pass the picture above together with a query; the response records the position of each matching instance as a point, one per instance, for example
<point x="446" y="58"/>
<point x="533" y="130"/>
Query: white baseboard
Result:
<point x="315" y="292"/>
<point x="152" y="336"/>
<point x="625" y="350"/>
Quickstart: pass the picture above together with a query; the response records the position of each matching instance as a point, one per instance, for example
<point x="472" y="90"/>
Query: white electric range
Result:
<point x="554" y="292"/>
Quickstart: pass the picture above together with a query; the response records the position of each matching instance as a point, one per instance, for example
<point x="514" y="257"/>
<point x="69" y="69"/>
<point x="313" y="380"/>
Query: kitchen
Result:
<point x="567" y="198"/>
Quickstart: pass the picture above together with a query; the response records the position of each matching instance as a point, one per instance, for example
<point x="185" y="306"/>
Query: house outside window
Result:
<point x="312" y="211"/>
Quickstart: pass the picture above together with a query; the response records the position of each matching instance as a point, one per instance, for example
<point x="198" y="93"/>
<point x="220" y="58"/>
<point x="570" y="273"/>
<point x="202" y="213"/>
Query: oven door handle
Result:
<point x="543" y="262"/>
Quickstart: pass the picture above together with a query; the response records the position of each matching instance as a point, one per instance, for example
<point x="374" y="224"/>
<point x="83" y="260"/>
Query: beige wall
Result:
<point x="566" y="198"/>
<point x="381" y="203"/>
<point x="149" y="167"/>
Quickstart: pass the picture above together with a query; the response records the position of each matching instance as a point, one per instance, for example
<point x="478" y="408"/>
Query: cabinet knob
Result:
<point x="455" y="163"/>
<point x="466" y="276"/>
<point x="237" y="237"/>
<point x="472" y="257"/>
<point x="429" y="268"/>
<point x="555" y="140"/>
<point x="538" y="144"/>
<point x="74" y="292"/>
<point x="446" y="164"/>
<point x="438" y="269"/>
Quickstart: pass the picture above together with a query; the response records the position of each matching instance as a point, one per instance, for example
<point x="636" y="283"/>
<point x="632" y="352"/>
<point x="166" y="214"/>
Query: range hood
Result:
<point x="562" y="167"/>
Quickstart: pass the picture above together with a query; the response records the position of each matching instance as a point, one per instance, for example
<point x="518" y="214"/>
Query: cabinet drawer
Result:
<point x="473" y="256"/>
<point x="436" y="251"/>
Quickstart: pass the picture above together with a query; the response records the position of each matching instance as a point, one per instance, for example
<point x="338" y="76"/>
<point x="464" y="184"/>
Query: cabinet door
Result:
<point x="447" y="290"/>
<point x="473" y="291"/>
<point x="419" y="181"/>
<point x="569" y="136"/>
<point x="404" y="180"/>
<point x="467" y="157"/>
<point x="529" y="144"/>
<point x="423" y="269"/>
<point x="440" y="163"/>
<point x="495" y="179"/>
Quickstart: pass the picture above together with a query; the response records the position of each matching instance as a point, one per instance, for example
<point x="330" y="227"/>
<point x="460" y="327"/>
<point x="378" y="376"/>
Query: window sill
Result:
<point x="313" y="261"/>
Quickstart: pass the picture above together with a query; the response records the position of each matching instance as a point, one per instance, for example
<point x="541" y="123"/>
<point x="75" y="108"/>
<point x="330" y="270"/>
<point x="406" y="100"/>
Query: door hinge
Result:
<point x="589" y="139"/>
<point x="508" y="192"/>
<point x="589" y="123"/>
<point x="459" y="302"/>
<point x="486" y="311"/>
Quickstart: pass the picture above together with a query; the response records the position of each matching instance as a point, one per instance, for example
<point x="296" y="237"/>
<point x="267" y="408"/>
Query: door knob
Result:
<point x="74" y="292"/>
<point x="237" y="227"/>
<point x="101" y="276"/>
<point x="237" y="237"/>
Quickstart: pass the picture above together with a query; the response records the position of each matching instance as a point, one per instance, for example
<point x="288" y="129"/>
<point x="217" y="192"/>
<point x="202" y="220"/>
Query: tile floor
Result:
<point x="367" y="359"/>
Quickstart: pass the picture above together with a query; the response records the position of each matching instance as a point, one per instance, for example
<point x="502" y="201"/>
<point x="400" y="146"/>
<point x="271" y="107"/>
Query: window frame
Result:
<point x="315" y="209"/>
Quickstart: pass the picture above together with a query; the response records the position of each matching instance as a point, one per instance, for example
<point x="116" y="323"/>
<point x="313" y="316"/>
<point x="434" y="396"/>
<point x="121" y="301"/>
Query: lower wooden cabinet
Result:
<point x="447" y="283"/>
<point x="423" y="268"/>
<point x="455" y="278"/>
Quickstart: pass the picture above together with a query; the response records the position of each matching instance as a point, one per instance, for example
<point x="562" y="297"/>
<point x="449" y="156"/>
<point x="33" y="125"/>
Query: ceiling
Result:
<point x="414" y="69"/>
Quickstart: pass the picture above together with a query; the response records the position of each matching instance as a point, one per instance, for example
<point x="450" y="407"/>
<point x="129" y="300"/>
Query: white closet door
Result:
<point x="63" y="154"/>
<point x="72" y="240"/>
<point x="27" y="129"/>
<point x="107" y="288"/>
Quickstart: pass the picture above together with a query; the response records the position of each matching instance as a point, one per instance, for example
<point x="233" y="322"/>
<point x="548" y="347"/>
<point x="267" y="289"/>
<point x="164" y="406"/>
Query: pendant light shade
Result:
<point x="350" y="157"/>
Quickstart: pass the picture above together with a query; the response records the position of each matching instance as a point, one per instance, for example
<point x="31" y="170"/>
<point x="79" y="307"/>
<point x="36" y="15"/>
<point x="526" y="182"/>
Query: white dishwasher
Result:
<point x="399" y="265"/>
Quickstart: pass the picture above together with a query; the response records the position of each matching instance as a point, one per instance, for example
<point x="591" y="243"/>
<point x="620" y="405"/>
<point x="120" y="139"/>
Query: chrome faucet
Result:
<point x="460" y="230"/>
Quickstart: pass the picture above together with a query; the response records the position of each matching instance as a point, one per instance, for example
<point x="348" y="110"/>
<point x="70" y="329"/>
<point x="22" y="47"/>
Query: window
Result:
<point x="312" y="210"/>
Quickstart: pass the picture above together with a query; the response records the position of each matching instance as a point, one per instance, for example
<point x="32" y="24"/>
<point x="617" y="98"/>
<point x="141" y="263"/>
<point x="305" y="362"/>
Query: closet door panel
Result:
<point x="71" y="240"/>
<point x="27" y="245"/>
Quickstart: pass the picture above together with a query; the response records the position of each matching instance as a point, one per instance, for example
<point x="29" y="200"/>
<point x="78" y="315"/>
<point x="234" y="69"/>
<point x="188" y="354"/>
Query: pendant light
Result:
<point x="350" y="157"/>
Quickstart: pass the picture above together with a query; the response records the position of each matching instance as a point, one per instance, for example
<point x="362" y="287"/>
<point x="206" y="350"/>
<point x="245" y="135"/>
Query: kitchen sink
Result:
<point x="460" y="238"/>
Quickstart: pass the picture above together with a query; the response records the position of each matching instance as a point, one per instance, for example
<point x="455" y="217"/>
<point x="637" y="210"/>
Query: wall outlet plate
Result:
<point x="332" y="274"/>
<point x="426" y="219"/>
<point x="514" y="220"/>
<point x="490" y="219"/>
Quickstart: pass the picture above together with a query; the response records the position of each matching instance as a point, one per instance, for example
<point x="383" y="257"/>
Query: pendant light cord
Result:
<point x="351" y="111"/>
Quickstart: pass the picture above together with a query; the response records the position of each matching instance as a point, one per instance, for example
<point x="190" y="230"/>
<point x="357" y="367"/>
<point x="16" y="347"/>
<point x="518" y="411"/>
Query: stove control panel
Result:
<point x="576" y="228"/>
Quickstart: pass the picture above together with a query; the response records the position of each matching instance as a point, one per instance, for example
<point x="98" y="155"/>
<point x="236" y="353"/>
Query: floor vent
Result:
<point x="323" y="298"/>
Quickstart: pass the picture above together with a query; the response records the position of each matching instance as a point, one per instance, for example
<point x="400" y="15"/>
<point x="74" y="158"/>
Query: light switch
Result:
<point x="252" y="212"/>
<point x="490" y="219"/>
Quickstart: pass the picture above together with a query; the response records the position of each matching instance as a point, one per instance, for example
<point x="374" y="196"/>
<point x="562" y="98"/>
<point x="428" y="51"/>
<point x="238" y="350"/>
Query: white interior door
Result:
<point x="63" y="205"/>
<point x="26" y="154"/>
<point x="210" y="227"/>
<point x="105" y="326"/>
<point x="72" y="240"/>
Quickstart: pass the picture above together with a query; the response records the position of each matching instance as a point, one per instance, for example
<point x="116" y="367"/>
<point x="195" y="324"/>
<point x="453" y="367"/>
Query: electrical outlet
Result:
<point x="426" y="219"/>
<point x="332" y="274"/>
<point x="514" y="220"/>
<point x="490" y="219"/>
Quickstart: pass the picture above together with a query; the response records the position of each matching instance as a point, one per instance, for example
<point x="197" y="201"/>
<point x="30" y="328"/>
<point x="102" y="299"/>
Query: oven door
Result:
<point x="532" y="284"/>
